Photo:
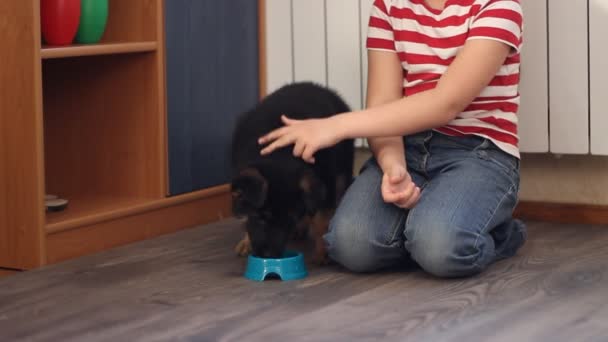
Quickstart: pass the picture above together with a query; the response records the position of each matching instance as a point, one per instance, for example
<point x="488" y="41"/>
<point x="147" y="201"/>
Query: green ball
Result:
<point x="93" y="20"/>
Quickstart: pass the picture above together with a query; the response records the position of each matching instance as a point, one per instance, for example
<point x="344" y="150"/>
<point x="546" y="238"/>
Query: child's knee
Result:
<point x="348" y="244"/>
<point x="446" y="250"/>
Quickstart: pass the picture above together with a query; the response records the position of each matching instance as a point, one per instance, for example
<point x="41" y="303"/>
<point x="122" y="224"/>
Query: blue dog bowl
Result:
<point x="290" y="267"/>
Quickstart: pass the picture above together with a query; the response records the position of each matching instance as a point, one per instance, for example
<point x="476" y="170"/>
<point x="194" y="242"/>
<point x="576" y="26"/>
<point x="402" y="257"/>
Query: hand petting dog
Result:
<point x="307" y="136"/>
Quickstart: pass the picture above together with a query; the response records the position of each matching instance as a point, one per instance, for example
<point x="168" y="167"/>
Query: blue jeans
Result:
<point x="462" y="223"/>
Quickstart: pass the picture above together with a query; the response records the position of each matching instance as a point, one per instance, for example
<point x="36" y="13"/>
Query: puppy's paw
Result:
<point x="319" y="228"/>
<point x="243" y="248"/>
<point x="301" y="231"/>
<point x="320" y="258"/>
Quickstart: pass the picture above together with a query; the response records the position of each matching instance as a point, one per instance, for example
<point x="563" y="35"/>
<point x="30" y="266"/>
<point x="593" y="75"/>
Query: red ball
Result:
<point x="59" y="20"/>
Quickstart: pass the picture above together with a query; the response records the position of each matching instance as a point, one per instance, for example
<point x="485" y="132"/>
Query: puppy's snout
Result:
<point x="268" y="253"/>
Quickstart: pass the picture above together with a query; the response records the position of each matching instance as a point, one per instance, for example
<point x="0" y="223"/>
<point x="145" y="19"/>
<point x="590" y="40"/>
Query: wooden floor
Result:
<point x="189" y="286"/>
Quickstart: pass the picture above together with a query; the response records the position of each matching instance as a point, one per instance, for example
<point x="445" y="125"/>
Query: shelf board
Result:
<point x="84" y="209"/>
<point x="49" y="52"/>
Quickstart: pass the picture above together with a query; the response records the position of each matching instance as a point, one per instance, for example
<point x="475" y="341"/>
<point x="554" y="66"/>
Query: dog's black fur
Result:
<point x="278" y="192"/>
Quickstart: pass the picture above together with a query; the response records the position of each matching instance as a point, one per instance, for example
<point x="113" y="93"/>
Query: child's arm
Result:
<point x="467" y="76"/>
<point x="385" y="85"/>
<point x="470" y="72"/>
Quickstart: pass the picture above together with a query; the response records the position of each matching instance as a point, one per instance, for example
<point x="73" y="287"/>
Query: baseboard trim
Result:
<point x="562" y="212"/>
<point x="5" y="272"/>
<point x="184" y="212"/>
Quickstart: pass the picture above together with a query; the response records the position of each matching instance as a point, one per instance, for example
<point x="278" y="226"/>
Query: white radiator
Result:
<point x="564" y="64"/>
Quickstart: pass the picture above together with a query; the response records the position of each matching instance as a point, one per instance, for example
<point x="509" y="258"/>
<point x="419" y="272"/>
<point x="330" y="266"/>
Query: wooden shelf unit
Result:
<point x="87" y="123"/>
<point x="104" y="117"/>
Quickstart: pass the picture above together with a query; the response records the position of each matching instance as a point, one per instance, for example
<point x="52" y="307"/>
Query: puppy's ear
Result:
<point x="313" y="191"/>
<point x="249" y="192"/>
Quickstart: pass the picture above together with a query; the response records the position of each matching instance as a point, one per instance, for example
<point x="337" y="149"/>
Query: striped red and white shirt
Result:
<point x="427" y="41"/>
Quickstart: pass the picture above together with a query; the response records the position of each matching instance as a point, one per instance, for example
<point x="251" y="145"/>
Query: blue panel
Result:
<point x="212" y="76"/>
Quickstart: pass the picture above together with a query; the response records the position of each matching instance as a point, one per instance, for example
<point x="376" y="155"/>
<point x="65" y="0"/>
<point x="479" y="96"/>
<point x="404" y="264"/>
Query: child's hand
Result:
<point x="308" y="136"/>
<point x="399" y="189"/>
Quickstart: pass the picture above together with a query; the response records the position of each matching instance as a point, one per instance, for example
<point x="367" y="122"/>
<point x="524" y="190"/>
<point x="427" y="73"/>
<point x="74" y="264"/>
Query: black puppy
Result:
<point x="281" y="195"/>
